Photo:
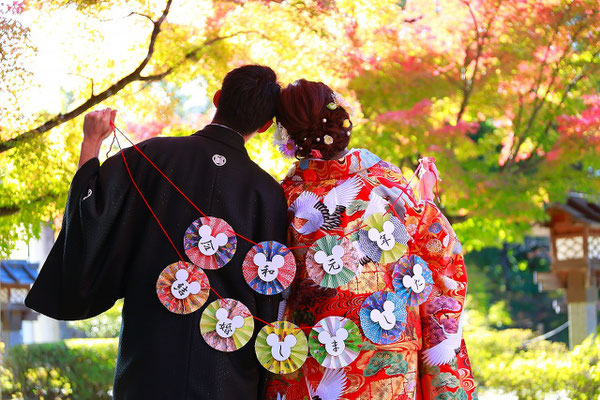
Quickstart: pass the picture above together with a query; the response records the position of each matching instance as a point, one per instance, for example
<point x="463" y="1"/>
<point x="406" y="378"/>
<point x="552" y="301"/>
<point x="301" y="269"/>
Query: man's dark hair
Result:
<point x="248" y="98"/>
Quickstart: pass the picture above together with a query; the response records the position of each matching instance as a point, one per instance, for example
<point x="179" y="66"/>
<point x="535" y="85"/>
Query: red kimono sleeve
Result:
<point x="445" y="371"/>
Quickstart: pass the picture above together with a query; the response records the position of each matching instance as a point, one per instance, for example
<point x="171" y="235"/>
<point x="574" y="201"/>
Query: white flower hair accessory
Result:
<point x="283" y="141"/>
<point x="339" y="101"/>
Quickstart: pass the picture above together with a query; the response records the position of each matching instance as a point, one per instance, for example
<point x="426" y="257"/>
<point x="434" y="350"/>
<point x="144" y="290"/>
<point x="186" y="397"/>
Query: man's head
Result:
<point x="247" y="99"/>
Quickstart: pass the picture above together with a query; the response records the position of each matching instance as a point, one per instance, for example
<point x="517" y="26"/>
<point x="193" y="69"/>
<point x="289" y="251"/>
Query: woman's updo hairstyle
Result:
<point x="303" y="111"/>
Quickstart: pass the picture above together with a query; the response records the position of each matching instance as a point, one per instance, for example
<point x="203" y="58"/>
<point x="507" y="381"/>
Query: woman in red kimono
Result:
<point x="381" y="281"/>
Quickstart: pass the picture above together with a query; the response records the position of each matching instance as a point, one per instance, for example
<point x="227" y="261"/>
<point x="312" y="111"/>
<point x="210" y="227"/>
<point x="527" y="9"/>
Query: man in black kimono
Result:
<point x="110" y="246"/>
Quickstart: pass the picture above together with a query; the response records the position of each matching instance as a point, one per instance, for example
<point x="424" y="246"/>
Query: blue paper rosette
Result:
<point x="412" y="280"/>
<point x="383" y="317"/>
<point x="269" y="267"/>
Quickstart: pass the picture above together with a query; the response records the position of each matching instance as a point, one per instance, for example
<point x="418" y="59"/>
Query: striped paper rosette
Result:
<point x="210" y="242"/>
<point x="281" y="348"/>
<point x="382" y="317"/>
<point x="269" y="267"/>
<point x="332" y="261"/>
<point x="335" y="342"/>
<point x="412" y="280"/>
<point x="385" y="238"/>
<point x="182" y="287"/>
<point x="226" y="325"/>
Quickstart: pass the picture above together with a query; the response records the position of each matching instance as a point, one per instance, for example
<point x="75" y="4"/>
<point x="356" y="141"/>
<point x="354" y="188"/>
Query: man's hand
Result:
<point x="97" y="125"/>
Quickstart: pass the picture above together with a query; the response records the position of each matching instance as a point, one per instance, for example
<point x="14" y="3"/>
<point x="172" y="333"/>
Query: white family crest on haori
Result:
<point x="208" y="244"/>
<point x="181" y="288"/>
<point x="281" y="350"/>
<point x="332" y="264"/>
<point x="332" y="385"/>
<point x="226" y="327"/>
<point x="445" y="351"/>
<point x="325" y="214"/>
<point x="386" y="318"/>
<point x="268" y="270"/>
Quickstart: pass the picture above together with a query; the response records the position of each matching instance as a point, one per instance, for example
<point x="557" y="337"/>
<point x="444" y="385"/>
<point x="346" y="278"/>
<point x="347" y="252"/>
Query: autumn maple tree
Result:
<point x="503" y="93"/>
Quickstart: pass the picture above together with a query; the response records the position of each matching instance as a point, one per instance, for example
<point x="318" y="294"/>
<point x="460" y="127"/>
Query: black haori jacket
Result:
<point x="110" y="247"/>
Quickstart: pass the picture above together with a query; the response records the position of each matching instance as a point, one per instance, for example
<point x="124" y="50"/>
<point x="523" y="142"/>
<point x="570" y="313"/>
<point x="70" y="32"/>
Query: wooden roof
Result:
<point x="580" y="207"/>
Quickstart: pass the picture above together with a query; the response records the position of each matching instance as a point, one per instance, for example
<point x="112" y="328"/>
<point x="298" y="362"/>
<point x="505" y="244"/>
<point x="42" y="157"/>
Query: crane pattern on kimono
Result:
<point x="311" y="213"/>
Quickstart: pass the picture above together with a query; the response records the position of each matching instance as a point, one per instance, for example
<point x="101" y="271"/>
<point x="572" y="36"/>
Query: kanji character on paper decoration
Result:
<point x="210" y="242"/>
<point x="226" y="325"/>
<point x="182" y="287"/>
<point x="332" y="261"/>
<point x="269" y="267"/>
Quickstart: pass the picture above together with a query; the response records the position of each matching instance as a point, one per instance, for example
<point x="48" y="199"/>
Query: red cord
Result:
<point x="158" y="221"/>
<point x="173" y="184"/>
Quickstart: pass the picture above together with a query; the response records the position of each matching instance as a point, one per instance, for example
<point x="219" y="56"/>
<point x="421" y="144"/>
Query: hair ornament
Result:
<point x="282" y="140"/>
<point x="316" y="153"/>
<point x="332" y="106"/>
<point x="346" y="124"/>
<point x="339" y="101"/>
<point x="348" y="133"/>
<point x="281" y="134"/>
<point x="328" y="139"/>
<point x="318" y="139"/>
<point x="324" y="120"/>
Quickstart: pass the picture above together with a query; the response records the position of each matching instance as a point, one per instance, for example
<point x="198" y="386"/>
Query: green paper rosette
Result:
<point x="226" y="325"/>
<point x="332" y="261"/>
<point x="335" y="342"/>
<point x="281" y="347"/>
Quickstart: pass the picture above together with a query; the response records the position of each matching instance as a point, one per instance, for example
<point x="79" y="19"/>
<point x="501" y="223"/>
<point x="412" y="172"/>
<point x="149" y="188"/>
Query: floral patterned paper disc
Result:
<point x="385" y="238"/>
<point x="412" y="280"/>
<point x="331" y="261"/>
<point x="281" y="348"/>
<point x="182" y="287"/>
<point x="226" y="325"/>
<point x="269" y="267"/>
<point x="210" y="242"/>
<point x="335" y="342"/>
<point x="382" y="317"/>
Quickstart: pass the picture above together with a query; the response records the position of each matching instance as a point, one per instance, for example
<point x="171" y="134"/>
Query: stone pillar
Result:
<point x="582" y="297"/>
<point x="582" y="321"/>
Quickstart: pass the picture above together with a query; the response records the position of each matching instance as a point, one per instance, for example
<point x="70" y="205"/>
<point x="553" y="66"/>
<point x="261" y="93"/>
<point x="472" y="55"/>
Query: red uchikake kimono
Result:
<point x="426" y="357"/>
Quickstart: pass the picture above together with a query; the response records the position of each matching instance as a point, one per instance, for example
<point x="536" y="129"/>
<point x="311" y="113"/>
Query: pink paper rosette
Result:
<point x="269" y="267"/>
<point x="210" y="242"/>
<point x="226" y="325"/>
<point x="182" y="287"/>
<point x="332" y="261"/>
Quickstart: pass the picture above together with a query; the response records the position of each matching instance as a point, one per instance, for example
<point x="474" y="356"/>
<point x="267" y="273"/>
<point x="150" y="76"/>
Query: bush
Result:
<point x="501" y="360"/>
<point x="70" y="369"/>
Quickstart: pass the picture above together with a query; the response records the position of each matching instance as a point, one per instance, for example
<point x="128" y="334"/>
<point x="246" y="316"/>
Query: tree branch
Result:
<point x="94" y="99"/>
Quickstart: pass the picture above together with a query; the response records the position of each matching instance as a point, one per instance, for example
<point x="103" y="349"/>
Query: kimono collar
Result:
<point x="316" y="169"/>
<point x="223" y="135"/>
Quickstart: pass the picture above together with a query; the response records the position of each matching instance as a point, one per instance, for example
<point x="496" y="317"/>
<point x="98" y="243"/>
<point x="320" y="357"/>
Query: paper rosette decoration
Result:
<point x="382" y="317"/>
<point x="281" y="348"/>
<point x="335" y="342"/>
<point x="182" y="287"/>
<point x="226" y="325"/>
<point x="385" y="238"/>
<point x="269" y="267"/>
<point x="210" y="242"/>
<point x="412" y="280"/>
<point x="331" y="261"/>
